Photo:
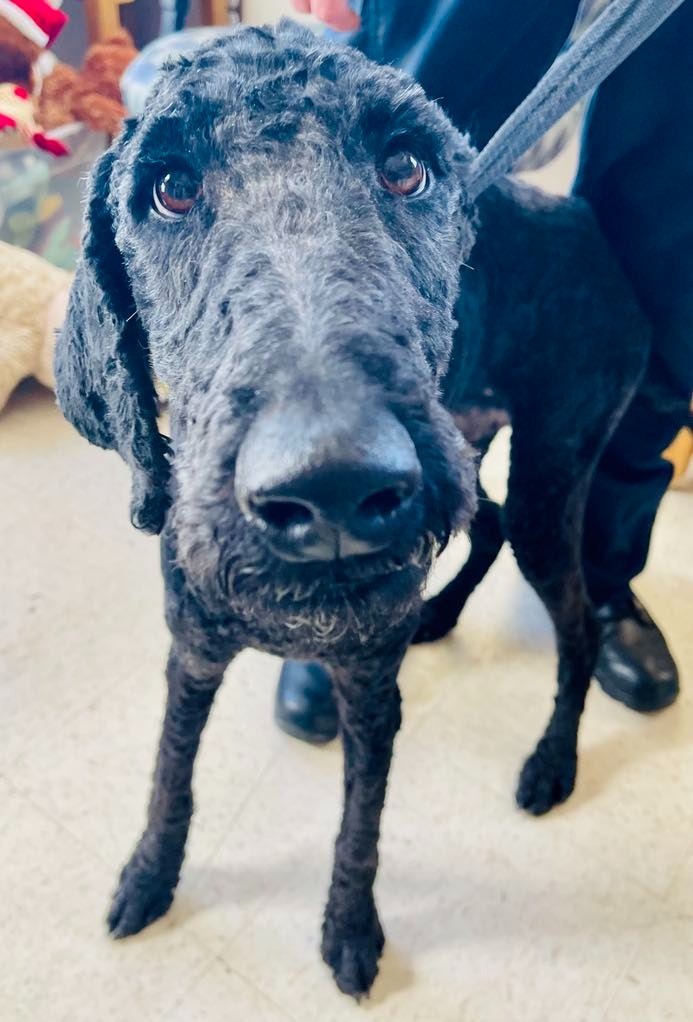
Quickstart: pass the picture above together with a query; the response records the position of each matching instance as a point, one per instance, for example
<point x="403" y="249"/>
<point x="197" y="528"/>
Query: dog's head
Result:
<point x="278" y="239"/>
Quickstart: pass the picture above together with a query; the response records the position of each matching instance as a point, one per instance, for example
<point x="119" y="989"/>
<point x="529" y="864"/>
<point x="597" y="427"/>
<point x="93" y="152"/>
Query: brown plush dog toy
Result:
<point x="91" y="95"/>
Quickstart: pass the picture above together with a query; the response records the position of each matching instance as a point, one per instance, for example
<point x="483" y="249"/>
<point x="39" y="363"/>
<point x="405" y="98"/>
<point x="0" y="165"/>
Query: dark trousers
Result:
<point x="479" y="58"/>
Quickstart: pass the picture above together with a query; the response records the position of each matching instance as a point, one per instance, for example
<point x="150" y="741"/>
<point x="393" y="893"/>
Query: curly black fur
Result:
<point x="298" y="273"/>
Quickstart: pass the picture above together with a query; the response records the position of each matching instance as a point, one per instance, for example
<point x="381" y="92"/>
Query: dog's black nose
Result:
<point x="336" y="510"/>
<point x="324" y="489"/>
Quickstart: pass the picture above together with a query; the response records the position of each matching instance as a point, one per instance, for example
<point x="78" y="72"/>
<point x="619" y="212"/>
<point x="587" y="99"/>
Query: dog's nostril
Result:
<point x="283" y="514"/>
<point x="381" y="504"/>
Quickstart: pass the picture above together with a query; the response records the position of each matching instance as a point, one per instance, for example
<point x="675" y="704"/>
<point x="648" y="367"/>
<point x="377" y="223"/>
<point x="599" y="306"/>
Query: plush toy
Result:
<point x="26" y="28"/>
<point x="91" y="95"/>
<point x="33" y="300"/>
<point x="17" y="115"/>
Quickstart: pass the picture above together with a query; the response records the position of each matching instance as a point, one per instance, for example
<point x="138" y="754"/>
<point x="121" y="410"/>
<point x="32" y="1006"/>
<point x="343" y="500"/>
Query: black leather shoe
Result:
<point x="634" y="664"/>
<point x="304" y="706"/>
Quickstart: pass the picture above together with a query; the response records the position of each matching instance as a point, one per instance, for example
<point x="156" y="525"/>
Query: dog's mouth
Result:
<point x="288" y="586"/>
<point x="345" y="573"/>
<point x="374" y="568"/>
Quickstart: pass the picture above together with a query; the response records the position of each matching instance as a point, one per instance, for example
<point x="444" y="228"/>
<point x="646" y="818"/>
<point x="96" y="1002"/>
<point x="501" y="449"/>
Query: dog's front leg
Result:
<point x="369" y="717"/>
<point x="149" y="879"/>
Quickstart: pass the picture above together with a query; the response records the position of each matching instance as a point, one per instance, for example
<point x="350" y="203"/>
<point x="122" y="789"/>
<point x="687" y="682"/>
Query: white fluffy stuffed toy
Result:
<point x="33" y="299"/>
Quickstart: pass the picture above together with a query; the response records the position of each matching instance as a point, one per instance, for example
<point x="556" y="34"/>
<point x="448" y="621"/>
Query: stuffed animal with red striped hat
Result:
<point x="27" y="28"/>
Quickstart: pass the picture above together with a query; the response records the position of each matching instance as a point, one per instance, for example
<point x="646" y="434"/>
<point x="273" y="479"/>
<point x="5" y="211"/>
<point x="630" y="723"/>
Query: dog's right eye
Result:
<point x="174" y="194"/>
<point x="403" y="173"/>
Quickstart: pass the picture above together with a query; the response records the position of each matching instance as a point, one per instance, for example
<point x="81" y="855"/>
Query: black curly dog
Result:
<point x="279" y="239"/>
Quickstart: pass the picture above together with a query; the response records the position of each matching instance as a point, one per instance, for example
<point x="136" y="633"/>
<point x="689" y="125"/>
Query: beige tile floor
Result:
<point x="491" y="917"/>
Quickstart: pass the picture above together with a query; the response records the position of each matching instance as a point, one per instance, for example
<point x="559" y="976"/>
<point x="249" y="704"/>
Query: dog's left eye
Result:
<point x="403" y="173"/>
<point x="174" y="194"/>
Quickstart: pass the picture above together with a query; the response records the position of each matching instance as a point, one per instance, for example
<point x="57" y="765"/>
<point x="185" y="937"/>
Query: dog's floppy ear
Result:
<point x="103" y="380"/>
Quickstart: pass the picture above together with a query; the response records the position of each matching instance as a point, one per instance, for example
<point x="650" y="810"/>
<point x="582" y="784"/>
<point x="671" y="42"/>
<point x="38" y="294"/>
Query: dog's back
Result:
<point x="544" y="311"/>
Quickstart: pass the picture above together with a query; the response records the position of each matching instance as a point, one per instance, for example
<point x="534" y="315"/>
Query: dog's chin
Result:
<point x="306" y="609"/>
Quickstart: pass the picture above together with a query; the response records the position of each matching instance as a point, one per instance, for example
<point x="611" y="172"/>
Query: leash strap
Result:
<point x="618" y="30"/>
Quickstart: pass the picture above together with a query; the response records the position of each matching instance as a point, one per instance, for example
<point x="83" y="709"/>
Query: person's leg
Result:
<point x="636" y="171"/>
<point x="479" y="59"/>
<point x="626" y="492"/>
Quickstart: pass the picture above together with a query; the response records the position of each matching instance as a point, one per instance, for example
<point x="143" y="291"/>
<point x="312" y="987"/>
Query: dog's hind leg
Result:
<point x="368" y="701"/>
<point x="440" y="613"/>
<point x="148" y="881"/>
<point x="544" y="511"/>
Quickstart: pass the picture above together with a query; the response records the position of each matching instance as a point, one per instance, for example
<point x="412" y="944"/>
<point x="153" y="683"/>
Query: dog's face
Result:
<point x="288" y="227"/>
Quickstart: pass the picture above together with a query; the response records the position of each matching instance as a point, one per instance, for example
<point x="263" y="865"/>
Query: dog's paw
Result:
<point x="547" y="778"/>
<point x="353" y="958"/>
<point x="141" y="897"/>
<point x="436" y="622"/>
